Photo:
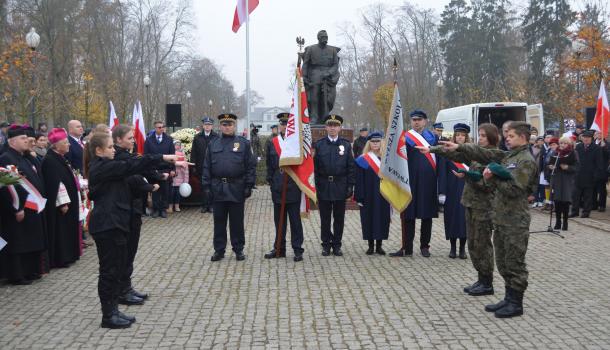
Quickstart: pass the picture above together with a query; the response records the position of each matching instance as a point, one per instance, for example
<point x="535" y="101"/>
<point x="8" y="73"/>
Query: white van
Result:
<point x="496" y="113"/>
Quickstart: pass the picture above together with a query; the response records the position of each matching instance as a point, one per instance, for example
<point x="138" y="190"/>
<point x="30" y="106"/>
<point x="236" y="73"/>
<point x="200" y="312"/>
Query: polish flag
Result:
<point x="113" y="120"/>
<point x="139" y="132"/>
<point x="602" y="114"/>
<point x="240" y="12"/>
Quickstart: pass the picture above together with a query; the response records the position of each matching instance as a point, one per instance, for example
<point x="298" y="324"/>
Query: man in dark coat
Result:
<point x="62" y="210"/>
<point x="601" y="194"/>
<point x="292" y="210"/>
<point x="423" y="181"/>
<point x="229" y="174"/>
<point x="591" y="170"/>
<point x="24" y="227"/>
<point x="161" y="143"/>
<point x="360" y="141"/>
<point x="335" y="177"/>
<point x="75" y="156"/>
<point x="198" y="152"/>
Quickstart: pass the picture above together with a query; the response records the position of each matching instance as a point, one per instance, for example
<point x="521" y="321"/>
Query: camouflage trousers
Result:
<point x="510" y="243"/>
<point x="479" y="230"/>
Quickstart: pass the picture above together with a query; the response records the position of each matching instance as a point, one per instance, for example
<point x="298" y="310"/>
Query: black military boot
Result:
<point x="485" y="287"/>
<point x="379" y="249"/>
<point x="111" y="318"/>
<point x="138" y="294"/>
<point x="371" y="249"/>
<point x="497" y="306"/>
<point x="128" y="298"/>
<point x="514" y="307"/>
<point x="467" y="289"/>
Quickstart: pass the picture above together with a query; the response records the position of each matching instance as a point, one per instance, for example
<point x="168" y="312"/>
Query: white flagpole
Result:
<point x="248" y="69"/>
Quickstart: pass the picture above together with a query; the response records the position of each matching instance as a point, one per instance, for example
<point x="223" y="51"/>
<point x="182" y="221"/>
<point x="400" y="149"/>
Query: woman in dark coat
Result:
<point x="450" y="189"/>
<point x="374" y="209"/>
<point x="62" y="209"/>
<point x="562" y="179"/>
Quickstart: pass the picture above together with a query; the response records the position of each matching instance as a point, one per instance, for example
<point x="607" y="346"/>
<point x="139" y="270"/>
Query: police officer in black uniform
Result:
<point x="229" y="173"/>
<point x="199" y="150"/>
<point x="335" y="180"/>
<point x="275" y="178"/>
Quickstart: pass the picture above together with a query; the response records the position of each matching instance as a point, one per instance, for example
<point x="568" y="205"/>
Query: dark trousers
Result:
<point x="175" y="195"/>
<point x="292" y="212"/>
<point x="336" y="210"/>
<point x="20" y="266"/>
<point x="599" y="198"/>
<point x="206" y="202"/>
<point x="584" y="194"/>
<point x="425" y="235"/>
<point x="133" y="240"/>
<point x="160" y="196"/>
<point x="540" y="195"/>
<point x="234" y="212"/>
<point x="112" y="253"/>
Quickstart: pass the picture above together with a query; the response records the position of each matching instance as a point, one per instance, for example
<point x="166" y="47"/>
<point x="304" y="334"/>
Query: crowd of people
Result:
<point x="76" y="181"/>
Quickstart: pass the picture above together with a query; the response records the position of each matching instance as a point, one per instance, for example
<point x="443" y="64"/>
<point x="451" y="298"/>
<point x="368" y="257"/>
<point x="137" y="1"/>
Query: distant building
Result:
<point x="265" y="117"/>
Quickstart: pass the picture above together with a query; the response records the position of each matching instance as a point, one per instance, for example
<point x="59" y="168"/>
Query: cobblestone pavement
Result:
<point x="351" y="302"/>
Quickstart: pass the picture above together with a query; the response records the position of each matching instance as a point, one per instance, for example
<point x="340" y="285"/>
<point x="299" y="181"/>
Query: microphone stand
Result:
<point x="550" y="228"/>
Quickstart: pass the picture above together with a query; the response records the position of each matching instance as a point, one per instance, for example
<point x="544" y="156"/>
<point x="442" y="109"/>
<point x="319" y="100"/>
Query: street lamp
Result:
<point x="146" y="81"/>
<point x="358" y="114"/>
<point x="188" y="107"/>
<point x="439" y="84"/>
<point x="210" y="103"/>
<point x="33" y="40"/>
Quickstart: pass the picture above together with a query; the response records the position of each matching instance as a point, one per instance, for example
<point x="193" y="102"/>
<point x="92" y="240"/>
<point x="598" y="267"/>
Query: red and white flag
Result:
<point x="139" y="131"/>
<point x="296" y="158"/>
<point x="240" y="13"/>
<point x="602" y="113"/>
<point x="113" y="120"/>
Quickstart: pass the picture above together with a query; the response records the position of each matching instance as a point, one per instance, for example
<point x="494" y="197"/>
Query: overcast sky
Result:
<point x="274" y="26"/>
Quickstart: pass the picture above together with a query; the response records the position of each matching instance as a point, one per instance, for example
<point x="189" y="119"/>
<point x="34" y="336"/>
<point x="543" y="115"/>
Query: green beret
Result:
<point x="500" y="171"/>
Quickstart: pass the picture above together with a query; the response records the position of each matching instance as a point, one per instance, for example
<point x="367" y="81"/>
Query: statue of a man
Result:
<point x="320" y="75"/>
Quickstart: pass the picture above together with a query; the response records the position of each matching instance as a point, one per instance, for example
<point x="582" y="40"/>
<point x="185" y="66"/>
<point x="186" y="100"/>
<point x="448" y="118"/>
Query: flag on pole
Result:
<point x="602" y="113"/>
<point x="240" y="15"/>
<point x="139" y="131"/>
<point x="296" y="158"/>
<point x="394" y="172"/>
<point x="113" y="120"/>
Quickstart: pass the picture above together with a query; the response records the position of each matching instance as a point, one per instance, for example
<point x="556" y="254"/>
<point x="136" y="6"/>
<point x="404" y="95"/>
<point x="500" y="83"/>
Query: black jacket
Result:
<point x="110" y="191"/>
<point x="229" y="168"/>
<point x="591" y="165"/>
<point x="139" y="184"/>
<point x="275" y="178"/>
<point x="359" y="144"/>
<point x="335" y="160"/>
<point x="200" y="148"/>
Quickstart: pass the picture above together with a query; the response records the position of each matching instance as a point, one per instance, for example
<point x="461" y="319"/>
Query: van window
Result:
<point x="499" y="115"/>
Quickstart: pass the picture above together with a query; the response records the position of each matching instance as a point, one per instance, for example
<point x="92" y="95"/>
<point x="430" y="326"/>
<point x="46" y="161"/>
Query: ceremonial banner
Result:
<point x="239" y="17"/>
<point x="139" y="132"/>
<point x="296" y="158"/>
<point x="394" y="172"/>
<point x="602" y="113"/>
<point x="113" y="120"/>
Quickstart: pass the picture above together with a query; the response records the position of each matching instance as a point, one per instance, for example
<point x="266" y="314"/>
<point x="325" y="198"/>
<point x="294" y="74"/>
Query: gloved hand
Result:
<point x="350" y="193"/>
<point x="247" y="192"/>
<point x="441" y="199"/>
<point x="500" y="171"/>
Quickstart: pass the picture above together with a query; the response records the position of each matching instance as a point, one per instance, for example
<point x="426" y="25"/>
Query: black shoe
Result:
<point x="463" y="253"/>
<point x="217" y="256"/>
<point x="298" y="257"/>
<point x="497" y="306"/>
<point x="514" y="306"/>
<point x="564" y="226"/>
<point x="130" y="299"/>
<point x="474" y="285"/>
<point x="425" y="252"/>
<point x="129" y="318"/>
<point x="379" y="250"/>
<point x="163" y="214"/>
<point x="573" y="215"/>
<point x="557" y="225"/>
<point x="154" y="214"/>
<point x="452" y="254"/>
<point x="240" y="256"/>
<point x="481" y="289"/>
<point x="138" y="294"/>
<point x="325" y="251"/>
<point x="21" y="282"/>
<point x="337" y="252"/>
<point x="400" y="253"/>
<point x="371" y="250"/>
<point x="114" y="321"/>
<point x="273" y="254"/>
<point x="584" y="215"/>
<point x="601" y="210"/>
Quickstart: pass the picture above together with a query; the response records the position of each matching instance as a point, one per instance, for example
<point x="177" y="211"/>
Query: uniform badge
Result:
<point x="235" y="146"/>
<point x="341" y="150"/>
<point x="511" y="166"/>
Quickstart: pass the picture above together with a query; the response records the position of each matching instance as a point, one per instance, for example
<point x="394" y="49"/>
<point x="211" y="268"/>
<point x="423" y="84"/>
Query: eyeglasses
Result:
<point x="161" y="127"/>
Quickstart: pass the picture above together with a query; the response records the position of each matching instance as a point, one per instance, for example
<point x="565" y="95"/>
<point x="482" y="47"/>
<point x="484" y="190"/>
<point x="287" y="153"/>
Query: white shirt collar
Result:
<point x="333" y="139"/>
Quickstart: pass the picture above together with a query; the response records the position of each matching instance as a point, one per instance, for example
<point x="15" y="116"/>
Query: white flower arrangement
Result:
<point x="186" y="137"/>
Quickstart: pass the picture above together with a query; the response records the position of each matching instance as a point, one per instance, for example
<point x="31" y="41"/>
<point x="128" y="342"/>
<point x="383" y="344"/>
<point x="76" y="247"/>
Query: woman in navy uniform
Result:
<point x="335" y="179"/>
<point x="374" y="209"/>
<point x="110" y="221"/>
<point x="229" y="174"/>
<point x="292" y="211"/>
<point x="450" y="189"/>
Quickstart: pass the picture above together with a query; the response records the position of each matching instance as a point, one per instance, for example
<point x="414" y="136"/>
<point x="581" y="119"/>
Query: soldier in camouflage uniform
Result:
<point x="477" y="199"/>
<point x="513" y="181"/>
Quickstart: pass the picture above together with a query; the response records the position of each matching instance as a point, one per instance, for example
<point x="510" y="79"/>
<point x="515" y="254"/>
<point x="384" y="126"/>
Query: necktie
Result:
<point x="159" y="138"/>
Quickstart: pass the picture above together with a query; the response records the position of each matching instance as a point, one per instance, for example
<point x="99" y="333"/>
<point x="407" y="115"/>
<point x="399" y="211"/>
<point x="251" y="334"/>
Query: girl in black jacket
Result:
<point x="110" y="218"/>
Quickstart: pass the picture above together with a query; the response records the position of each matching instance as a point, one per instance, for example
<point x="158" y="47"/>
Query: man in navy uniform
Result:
<point x="199" y="150"/>
<point x="292" y="211"/>
<point x="335" y="179"/>
<point x="438" y="130"/>
<point x="423" y="181"/>
<point x="229" y="174"/>
<point x="75" y="155"/>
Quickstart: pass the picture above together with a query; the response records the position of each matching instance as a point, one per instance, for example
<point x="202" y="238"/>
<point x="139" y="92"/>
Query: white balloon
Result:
<point x="185" y="190"/>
